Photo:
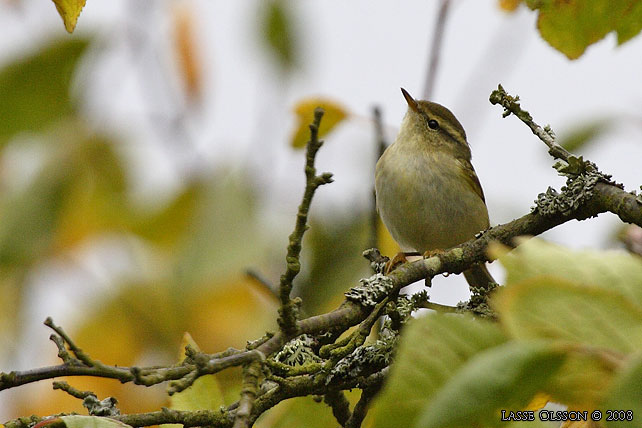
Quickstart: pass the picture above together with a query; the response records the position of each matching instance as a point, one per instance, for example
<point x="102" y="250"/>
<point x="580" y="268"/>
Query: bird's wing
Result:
<point x="471" y="177"/>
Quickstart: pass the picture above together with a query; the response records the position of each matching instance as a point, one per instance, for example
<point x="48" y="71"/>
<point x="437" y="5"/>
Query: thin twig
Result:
<point x="380" y="147"/>
<point x="511" y="105"/>
<point x="438" y="307"/>
<point x="76" y="393"/>
<point x="287" y="312"/>
<point x="435" y="48"/>
<point x="262" y="280"/>
<point x="251" y="373"/>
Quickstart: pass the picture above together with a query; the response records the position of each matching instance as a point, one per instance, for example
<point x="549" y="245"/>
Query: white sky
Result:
<point x="359" y="53"/>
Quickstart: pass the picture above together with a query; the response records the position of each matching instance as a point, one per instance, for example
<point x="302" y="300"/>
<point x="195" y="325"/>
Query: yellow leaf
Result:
<point x="538" y="402"/>
<point x="204" y="394"/>
<point x="69" y="11"/>
<point x="186" y="49"/>
<point x="304" y="110"/>
<point x="187" y="340"/>
<point x="509" y="5"/>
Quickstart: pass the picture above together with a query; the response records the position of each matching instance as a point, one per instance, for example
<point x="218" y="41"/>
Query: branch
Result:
<point x="287" y="312"/>
<point x="435" y="48"/>
<point x="511" y="105"/>
<point x="251" y="373"/>
<point x="380" y="141"/>
<point x="361" y="408"/>
<point x="340" y="406"/>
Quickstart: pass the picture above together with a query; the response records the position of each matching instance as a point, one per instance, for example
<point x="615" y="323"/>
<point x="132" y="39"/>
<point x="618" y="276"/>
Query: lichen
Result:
<point x="582" y="176"/>
<point x="365" y="360"/>
<point x="298" y="351"/>
<point x="371" y="290"/>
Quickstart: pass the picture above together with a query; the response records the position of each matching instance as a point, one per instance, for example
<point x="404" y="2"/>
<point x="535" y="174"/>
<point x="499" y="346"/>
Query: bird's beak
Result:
<point x="410" y="100"/>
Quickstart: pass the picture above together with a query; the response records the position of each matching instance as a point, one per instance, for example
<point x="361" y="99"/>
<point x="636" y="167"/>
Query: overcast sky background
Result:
<point x="359" y="53"/>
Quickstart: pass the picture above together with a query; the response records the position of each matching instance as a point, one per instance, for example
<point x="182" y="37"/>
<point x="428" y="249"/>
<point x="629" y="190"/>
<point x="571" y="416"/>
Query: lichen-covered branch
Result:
<point x="288" y="310"/>
<point x="511" y="105"/>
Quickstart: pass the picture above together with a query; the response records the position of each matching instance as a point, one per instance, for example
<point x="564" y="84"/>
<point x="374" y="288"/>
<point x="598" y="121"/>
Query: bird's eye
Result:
<point x="433" y="124"/>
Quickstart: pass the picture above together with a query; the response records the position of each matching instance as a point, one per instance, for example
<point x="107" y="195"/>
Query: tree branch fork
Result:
<point x="588" y="193"/>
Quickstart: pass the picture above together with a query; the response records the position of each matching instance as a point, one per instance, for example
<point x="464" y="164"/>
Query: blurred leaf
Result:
<point x="34" y="91"/>
<point x="509" y="5"/>
<point x="433" y="349"/>
<point x="80" y="191"/>
<point x="78" y="421"/>
<point x="186" y="51"/>
<point x="539" y="401"/>
<point x="553" y="308"/>
<point x="582" y="381"/>
<point x="29" y="219"/>
<point x="169" y="225"/>
<point x="334" y="249"/>
<point x="571" y="26"/>
<point x="204" y="394"/>
<point x="631" y="25"/>
<point x="69" y="11"/>
<point x="626" y="393"/>
<point x="297" y="412"/>
<point x="583" y="135"/>
<point x="304" y="110"/>
<point x="223" y="234"/>
<point x="95" y="200"/>
<point x="615" y="271"/>
<point x="580" y="424"/>
<point x="504" y="377"/>
<point x="278" y="31"/>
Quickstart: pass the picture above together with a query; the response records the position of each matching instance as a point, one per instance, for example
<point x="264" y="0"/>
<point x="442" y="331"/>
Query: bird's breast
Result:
<point x="425" y="201"/>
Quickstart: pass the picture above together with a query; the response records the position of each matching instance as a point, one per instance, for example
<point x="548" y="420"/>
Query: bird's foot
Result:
<point x="396" y="261"/>
<point x="430" y="253"/>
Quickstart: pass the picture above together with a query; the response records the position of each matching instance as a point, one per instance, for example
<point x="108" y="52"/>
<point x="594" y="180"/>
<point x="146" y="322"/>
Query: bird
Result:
<point x="427" y="192"/>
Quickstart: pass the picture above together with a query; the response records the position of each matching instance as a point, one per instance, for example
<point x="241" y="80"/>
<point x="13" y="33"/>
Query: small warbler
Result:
<point x="428" y="194"/>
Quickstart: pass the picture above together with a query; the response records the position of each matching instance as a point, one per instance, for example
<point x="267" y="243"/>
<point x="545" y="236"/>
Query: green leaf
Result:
<point x="29" y="219"/>
<point x="277" y="26"/>
<point x="581" y="382"/>
<point x="553" y="308"/>
<point x="616" y="271"/>
<point x="79" y="191"/>
<point x="298" y="412"/>
<point x="504" y="377"/>
<point x="631" y="25"/>
<point x="432" y="350"/>
<point x="585" y="134"/>
<point x="571" y="26"/>
<point x="166" y="226"/>
<point x="69" y="11"/>
<point x="332" y="251"/>
<point x="626" y="394"/>
<point x="34" y="91"/>
<point x="77" y="421"/>
<point x="223" y="228"/>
